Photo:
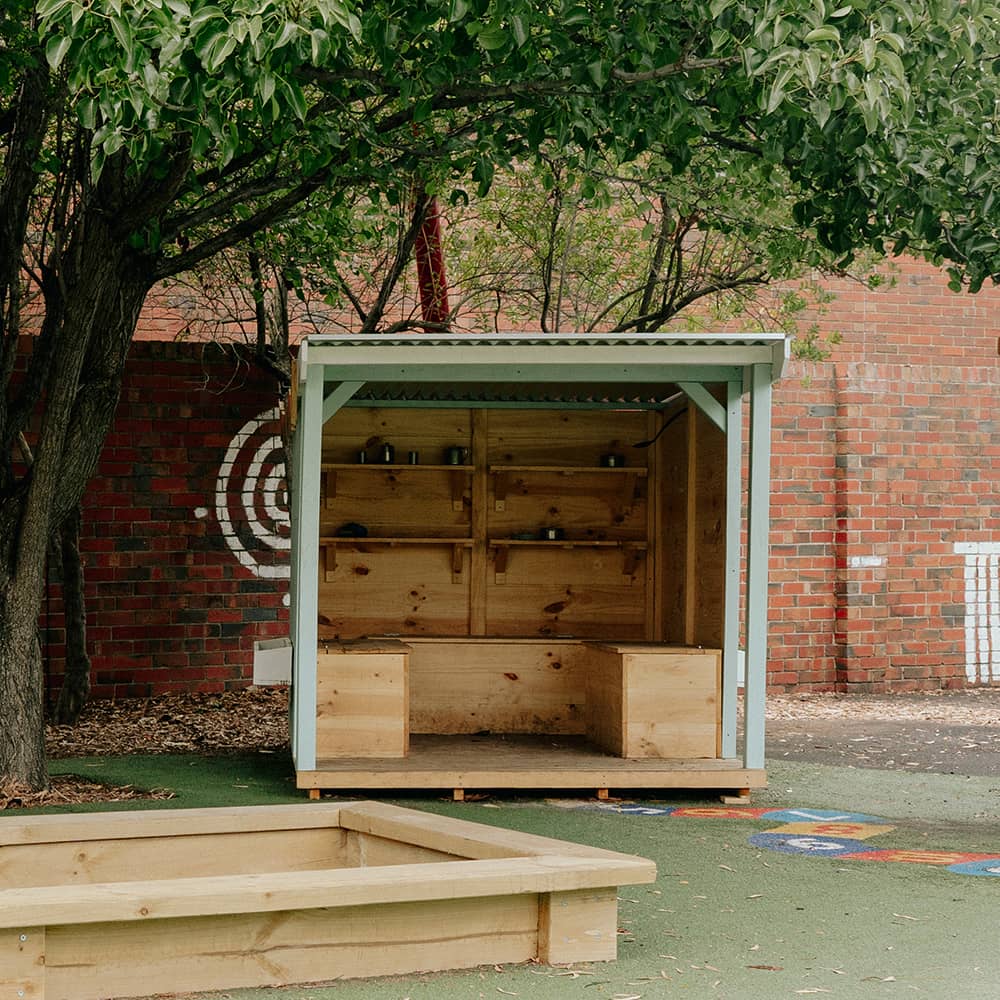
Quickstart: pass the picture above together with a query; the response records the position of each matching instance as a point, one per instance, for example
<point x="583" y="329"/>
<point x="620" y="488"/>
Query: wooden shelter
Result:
<point x="516" y="560"/>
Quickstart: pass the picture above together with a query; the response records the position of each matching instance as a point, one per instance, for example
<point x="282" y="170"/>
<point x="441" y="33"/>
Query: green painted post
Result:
<point x="734" y="523"/>
<point x="758" y="525"/>
<point x="305" y="575"/>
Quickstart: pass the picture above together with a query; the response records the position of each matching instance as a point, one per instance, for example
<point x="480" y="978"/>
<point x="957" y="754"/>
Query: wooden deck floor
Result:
<point x="497" y="761"/>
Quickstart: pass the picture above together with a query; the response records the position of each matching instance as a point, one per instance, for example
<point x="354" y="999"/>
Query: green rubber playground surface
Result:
<point x="835" y="882"/>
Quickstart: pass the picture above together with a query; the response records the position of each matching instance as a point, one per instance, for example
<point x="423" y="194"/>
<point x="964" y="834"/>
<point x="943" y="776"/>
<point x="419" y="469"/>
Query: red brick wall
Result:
<point x="894" y="443"/>
<point x="886" y="457"/>
<point x="173" y="605"/>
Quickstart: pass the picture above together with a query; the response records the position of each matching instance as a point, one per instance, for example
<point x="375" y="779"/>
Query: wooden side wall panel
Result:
<point x="236" y="853"/>
<point x="505" y="686"/>
<point x="371" y="851"/>
<point x="606" y="701"/>
<point x="92" y="961"/>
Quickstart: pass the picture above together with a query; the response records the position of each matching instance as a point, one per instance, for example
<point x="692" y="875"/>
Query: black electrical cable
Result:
<point x="666" y="424"/>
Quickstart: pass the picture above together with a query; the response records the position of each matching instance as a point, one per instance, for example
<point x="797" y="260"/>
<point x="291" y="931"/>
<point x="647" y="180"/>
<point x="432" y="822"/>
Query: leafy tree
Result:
<point x="143" y="137"/>
<point x="635" y="248"/>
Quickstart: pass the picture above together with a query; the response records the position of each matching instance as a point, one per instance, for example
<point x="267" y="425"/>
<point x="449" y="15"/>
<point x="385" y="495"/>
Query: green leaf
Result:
<point x="868" y="51"/>
<point x="267" y="84"/>
<point x="821" y="111"/>
<point x="492" y="38"/>
<point x="459" y="8"/>
<point x="49" y="8"/>
<point x="777" y="94"/>
<point x="179" y="7"/>
<point x="597" y="72"/>
<point x="519" y="30"/>
<point x="123" y="32"/>
<point x="813" y="63"/>
<point x="296" y="99"/>
<point x="56" y="49"/>
<point x="824" y="33"/>
<point x="288" y="32"/>
<point x="86" y="111"/>
<point x="892" y="63"/>
<point x="320" y="45"/>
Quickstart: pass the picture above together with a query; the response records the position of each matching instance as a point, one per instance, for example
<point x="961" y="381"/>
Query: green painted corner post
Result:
<point x="305" y="566"/>
<point x="734" y="524"/>
<point x="758" y="528"/>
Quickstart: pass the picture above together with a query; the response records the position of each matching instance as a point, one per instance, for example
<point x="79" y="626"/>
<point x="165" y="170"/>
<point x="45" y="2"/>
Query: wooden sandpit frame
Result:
<point x="132" y="904"/>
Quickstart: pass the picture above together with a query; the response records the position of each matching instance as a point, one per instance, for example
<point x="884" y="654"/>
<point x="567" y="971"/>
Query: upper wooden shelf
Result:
<point x="393" y="540"/>
<point x="393" y="467"/>
<point x="571" y="543"/>
<point x="569" y="470"/>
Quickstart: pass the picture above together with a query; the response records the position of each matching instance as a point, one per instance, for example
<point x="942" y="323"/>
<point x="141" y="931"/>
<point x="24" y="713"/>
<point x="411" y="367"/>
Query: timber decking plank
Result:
<point x="511" y="761"/>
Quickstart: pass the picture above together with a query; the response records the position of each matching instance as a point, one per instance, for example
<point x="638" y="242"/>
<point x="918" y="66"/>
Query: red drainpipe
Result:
<point x="432" y="279"/>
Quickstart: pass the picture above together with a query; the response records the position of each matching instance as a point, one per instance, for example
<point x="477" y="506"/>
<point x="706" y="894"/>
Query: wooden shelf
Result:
<point x="633" y="551"/>
<point x="459" y="476"/>
<point x="570" y="543"/>
<point x="393" y="540"/>
<point x="393" y="467"/>
<point x="569" y="470"/>
<point x="330" y="543"/>
<point x="502" y="473"/>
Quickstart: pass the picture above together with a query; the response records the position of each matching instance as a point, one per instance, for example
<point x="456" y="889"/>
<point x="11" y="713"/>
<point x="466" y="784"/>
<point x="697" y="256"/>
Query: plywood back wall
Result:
<point x="413" y="582"/>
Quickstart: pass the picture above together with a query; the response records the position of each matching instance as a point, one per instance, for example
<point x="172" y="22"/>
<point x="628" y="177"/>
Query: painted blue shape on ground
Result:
<point x="628" y="808"/>
<point x="990" y="866"/>
<point x="805" y="843"/>
<point x="820" y="816"/>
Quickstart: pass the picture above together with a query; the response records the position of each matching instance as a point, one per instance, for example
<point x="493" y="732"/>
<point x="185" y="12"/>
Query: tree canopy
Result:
<point x="143" y="137"/>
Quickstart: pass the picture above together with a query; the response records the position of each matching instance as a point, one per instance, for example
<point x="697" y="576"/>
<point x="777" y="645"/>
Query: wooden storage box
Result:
<point x="647" y="700"/>
<point x="362" y="699"/>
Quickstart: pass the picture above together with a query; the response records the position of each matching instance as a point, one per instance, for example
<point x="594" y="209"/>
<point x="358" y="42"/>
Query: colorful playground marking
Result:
<point x="817" y="832"/>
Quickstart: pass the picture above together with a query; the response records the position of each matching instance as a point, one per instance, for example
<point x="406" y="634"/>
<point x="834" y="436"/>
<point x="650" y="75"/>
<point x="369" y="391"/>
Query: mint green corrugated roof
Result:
<point x="510" y="368"/>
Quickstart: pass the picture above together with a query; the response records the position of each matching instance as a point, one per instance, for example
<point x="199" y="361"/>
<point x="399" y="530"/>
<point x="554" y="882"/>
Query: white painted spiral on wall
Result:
<point x="982" y="610"/>
<point x="251" y="497"/>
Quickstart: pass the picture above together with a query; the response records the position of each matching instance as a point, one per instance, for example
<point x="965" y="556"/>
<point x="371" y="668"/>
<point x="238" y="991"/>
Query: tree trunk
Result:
<point x="76" y="678"/>
<point x="92" y="305"/>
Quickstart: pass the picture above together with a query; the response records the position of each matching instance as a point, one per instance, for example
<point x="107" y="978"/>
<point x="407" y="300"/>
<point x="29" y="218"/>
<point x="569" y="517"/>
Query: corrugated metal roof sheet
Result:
<point x="548" y="340"/>
<point x="579" y="370"/>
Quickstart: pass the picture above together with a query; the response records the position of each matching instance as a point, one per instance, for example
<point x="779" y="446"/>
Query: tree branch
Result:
<point x="655" y="320"/>
<point x="673" y="69"/>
